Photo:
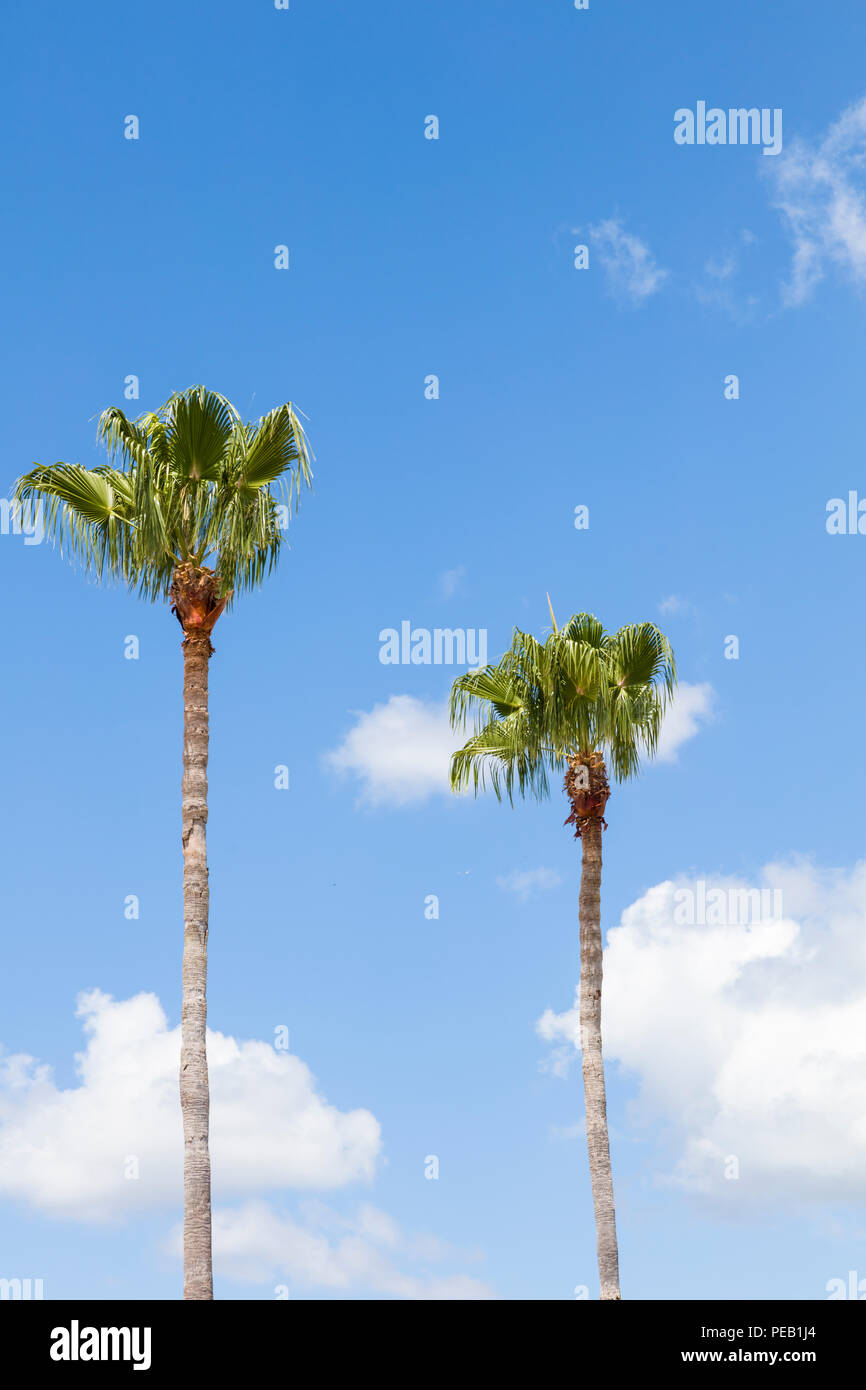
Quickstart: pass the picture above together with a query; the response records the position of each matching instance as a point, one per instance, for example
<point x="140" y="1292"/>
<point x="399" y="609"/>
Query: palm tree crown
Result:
<point x="581" y="691"/>
<point x="195" y="486"/>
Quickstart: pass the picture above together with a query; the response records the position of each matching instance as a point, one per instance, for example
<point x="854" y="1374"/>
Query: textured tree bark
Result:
<point x="194" y="1090"/>
<point x="597" y="1141"/>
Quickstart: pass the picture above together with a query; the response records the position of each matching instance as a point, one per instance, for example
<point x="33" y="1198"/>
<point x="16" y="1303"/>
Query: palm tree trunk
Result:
<point x="194" y="1091"/>
<point x="597" y="1141"/>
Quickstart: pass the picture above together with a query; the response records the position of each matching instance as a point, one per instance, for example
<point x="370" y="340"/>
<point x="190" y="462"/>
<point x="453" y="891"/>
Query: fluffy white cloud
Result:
<point x="747" y="1039"/>
<point x="691" y="705"/>
<point x="525" y="882"/>
<point x="255" y="1244"/>
<point x="630" y="266"/>
<point x="65" y="1150"/>
<point x="400" y="751"/>
<point x="820" y="193"/>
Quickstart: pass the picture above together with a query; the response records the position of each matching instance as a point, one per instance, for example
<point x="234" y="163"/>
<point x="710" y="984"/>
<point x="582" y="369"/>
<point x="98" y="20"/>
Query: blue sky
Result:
<point x="604" y="388"/>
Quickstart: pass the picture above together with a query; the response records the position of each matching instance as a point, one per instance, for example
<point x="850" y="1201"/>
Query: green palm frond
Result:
<point x="583" y="627"/>
<point x="126" y="439"/>
<point x="641" y="655"/>
<point x="500" y="753"/>
<point x="275" y="448"/>
<point x="199" y="425"/>
<point x="88" y="511"/>
<point x="489" y="683"/>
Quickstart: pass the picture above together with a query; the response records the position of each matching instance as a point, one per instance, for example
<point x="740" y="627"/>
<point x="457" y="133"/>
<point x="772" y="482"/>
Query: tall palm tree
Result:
<point x="193" y="515"/>
<point x="580" y="700"/>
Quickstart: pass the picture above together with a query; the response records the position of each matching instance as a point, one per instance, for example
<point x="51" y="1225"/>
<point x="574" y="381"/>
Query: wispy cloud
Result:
<point x="523" y="883"/>
<point x="257" y="1243"/>
<point x="631" y="268"/>
<point x="674" y="604"/>
<point x="819" y="189"/>
<point x="721" y="285"/>
<point x="450" y="581"/>
<point x="721" y="268"/>
<point x="727" y="264"/>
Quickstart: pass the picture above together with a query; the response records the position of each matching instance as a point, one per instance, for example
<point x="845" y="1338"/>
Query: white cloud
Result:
<point x="64" y="1150"/>
<point x="746" y="1040"/>
<point x="631" y="268"/>
<point x="525" y="882"/>
<point x="256" y="1244"/>
<point x="674" y="604"/>
<point x="401" y="751"/>
<point x="691" y="705"/>
<point x="819" y="191"/>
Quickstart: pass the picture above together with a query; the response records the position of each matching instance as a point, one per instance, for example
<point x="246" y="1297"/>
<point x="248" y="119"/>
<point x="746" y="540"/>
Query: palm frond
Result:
<point x="87" y="511"/>
<point x="199" y="426"/>
<point x="276" y="449"/>
<point x="487" y="685"/>
<point x="499" y="753"/>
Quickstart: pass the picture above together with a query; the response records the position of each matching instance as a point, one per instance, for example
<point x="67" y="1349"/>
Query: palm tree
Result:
<point x="191" y="516"/>
<point x="578" y="700"/>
